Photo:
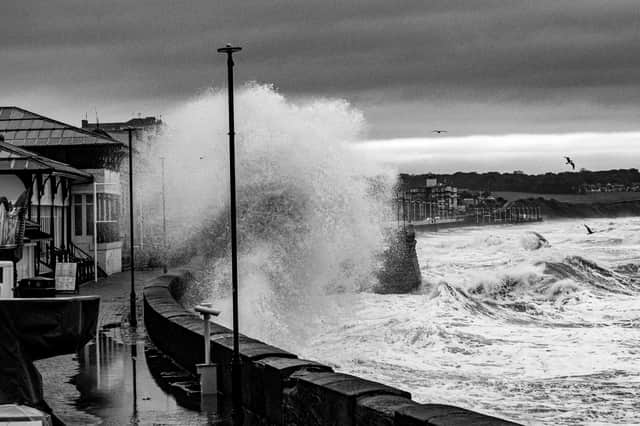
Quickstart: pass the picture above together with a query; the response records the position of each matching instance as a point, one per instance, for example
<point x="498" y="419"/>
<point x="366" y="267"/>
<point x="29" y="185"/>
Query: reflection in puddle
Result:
<point x="109" y="382"/>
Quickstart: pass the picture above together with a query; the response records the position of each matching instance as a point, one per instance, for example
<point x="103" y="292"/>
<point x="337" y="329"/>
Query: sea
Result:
<point x="536" y="323"/>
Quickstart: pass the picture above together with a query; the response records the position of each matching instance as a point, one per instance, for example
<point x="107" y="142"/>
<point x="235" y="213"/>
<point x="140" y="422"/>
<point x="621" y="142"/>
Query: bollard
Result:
<point x="208" y="371"/>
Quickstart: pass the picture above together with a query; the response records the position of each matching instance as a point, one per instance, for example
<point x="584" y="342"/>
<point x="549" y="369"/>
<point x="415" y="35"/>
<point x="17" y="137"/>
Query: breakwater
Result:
<point x="400" y="272"/>
<point x="277" y="386"/>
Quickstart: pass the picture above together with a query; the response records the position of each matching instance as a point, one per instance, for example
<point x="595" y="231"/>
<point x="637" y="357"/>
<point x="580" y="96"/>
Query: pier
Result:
<point x="423" y="214"/>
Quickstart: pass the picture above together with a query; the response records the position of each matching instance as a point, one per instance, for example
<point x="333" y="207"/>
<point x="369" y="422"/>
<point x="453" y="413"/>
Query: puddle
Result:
<point x="118" y="379"/>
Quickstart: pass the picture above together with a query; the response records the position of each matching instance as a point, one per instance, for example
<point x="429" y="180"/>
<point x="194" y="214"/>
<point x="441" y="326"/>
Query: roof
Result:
<point x="14" y="159"/>
<point x="139" y="123"/>
<point x="25" y="128"/>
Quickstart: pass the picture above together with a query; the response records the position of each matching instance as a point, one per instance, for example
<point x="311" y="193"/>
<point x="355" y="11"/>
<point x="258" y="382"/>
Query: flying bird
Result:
<point x="439" y="131"/>
<point x="573" y="165"/>
<point x="588" y="229"/>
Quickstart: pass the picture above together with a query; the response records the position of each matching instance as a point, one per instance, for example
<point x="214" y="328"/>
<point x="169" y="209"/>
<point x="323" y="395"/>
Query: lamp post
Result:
<point x="164" y="220"/>
<point x="133" y="320"/>
<point x="236" y="389"/>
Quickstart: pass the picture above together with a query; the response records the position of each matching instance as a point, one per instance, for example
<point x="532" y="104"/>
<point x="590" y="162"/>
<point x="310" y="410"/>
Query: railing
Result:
<point x="71" y="254"/>
<point x="424" y="213"/>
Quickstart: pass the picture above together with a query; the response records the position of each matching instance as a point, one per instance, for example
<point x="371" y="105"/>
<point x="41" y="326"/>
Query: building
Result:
<point x="37" y="191"/>
<point x="445" y="197"/>
<point x="82" y="216"/>
<point x="144" y="130"/>
<point x="144" y="127"/>
<point x="426" y="198"/>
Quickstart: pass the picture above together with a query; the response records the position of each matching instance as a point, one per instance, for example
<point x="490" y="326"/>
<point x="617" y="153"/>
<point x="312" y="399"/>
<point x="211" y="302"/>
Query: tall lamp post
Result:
<point x="133" y="320"/>
<point x="164" y="220"/>
<point x="236" y="389"/>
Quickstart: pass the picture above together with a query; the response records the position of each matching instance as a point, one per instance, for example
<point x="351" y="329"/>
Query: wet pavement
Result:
<point x="119" y="378"/>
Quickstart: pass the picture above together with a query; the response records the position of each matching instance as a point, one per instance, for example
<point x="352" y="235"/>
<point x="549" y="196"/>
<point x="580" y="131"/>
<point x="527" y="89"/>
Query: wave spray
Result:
<point x="311" y="210"/>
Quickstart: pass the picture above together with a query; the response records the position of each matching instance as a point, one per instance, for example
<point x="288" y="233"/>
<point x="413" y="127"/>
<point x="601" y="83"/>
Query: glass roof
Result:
<point x="23" y="128"/>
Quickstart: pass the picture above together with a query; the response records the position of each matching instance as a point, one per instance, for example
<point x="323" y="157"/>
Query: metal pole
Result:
<point x="133" y="320"/>
<point x="95" y="231"/>
<point x="207" y="339"/>
<point x="236" y="389"/>
<point x="164" y="220"/>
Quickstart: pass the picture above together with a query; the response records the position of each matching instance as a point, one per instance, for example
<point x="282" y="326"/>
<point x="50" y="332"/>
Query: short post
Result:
<point x="208" y="371"/>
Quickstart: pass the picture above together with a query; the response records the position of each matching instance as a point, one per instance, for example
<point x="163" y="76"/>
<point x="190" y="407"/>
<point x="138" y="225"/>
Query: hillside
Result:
<point x="548" y="183"/>
<point x="557" y="209"/>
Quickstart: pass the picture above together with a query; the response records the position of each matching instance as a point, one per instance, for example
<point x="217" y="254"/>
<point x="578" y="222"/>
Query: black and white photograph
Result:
<point x="320" y="213"/>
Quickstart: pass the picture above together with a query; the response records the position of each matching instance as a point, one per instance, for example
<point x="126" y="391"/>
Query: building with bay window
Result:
<point x="80" y="216"/>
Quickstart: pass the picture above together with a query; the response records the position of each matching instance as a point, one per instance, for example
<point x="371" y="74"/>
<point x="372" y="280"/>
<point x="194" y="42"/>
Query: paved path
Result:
<point x="114" y="292"/>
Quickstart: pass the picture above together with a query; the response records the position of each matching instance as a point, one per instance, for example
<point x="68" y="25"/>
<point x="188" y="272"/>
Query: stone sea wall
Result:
<point x="277" y="386"/>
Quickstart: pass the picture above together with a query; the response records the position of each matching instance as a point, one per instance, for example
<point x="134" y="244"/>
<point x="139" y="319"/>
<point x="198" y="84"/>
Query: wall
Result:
<point x="400" y="272"/>
<point x="110" y="257"/>
<point x="277" y="386"/>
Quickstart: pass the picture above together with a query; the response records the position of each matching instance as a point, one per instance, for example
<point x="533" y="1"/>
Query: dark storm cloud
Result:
<point x="404" y="53"/>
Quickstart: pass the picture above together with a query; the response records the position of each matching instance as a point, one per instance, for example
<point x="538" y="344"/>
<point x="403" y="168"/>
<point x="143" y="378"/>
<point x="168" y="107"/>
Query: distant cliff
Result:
<point x="557" y="209"/>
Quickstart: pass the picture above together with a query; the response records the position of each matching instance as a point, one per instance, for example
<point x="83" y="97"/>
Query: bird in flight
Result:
<point x="588" y="229"/>
<point x="439" y="131"/>
<point x="573" y="165"/>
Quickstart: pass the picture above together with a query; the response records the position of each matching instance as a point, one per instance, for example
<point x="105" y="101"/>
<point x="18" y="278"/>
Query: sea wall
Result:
<point x="277" y="386"/>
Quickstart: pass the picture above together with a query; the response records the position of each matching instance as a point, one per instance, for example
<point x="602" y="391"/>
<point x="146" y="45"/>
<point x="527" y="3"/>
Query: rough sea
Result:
<point x="506" y="323"/>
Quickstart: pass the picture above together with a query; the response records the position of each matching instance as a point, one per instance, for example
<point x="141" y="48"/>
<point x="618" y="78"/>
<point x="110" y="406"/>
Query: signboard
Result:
<point x="66" y="276"/>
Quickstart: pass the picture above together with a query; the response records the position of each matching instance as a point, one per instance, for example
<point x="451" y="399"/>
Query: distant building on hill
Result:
<point x="149" y="126"/>
<point x="439" y="195"/>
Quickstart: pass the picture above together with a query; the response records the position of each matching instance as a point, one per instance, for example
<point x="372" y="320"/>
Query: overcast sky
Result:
<point x="474" y="67"/>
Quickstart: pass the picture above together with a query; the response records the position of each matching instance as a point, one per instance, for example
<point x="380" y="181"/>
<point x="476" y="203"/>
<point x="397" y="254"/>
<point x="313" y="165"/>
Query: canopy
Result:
<point x="14" y="160"/>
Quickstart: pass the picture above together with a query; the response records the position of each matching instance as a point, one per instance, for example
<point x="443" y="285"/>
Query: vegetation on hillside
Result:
<point x="549" y="183"/>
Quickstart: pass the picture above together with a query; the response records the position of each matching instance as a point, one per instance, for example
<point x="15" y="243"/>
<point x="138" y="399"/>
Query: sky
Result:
<point x="489" y="72"/>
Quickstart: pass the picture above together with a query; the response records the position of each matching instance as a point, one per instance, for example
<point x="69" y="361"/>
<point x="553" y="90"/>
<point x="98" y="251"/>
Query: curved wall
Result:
<point x="277" y="386"/>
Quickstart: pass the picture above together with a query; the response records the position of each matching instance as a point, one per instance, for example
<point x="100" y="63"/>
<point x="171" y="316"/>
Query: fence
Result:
<point x="423" y="212"/>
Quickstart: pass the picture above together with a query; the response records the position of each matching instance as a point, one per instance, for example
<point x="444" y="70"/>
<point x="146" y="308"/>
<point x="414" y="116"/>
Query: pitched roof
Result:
<point x="14" y="159"/>
<point x="27" y="129"/>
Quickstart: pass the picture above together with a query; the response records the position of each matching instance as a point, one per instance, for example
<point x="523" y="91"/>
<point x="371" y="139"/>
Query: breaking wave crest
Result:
<point x="311" y="211"/>
<point x="538" y="292"/>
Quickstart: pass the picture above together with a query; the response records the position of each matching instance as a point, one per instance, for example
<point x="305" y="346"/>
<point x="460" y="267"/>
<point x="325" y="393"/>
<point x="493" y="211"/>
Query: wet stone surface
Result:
<point x="120" y="379"/>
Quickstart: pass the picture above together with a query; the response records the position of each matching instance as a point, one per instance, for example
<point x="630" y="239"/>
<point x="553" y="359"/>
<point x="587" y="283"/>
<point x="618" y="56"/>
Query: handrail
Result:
<point x="78" y="249"/>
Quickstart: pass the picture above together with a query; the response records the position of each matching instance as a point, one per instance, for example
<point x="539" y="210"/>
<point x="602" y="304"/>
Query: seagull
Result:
<point x="439" y="131"/>
<point x="588" y="229"/>
<point x="570" y="162"/>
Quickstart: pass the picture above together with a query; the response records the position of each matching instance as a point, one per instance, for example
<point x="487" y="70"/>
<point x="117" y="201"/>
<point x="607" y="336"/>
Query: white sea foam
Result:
<point x="311" y="210"/>
<point x="533" y="332"/>
<point x="541" y="337"/>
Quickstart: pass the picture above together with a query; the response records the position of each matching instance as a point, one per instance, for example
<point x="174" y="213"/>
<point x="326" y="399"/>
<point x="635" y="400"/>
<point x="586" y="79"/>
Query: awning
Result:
<point x="36" y="235"/>
<point x="15" y="160"/>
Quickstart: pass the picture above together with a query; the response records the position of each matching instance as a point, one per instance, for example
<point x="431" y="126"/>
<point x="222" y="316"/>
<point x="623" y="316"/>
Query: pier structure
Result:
<point x="423" y="213"/>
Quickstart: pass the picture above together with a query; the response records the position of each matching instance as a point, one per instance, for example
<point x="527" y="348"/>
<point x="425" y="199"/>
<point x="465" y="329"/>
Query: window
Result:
<point x="89" y="213"/>
<point x="106" y="216"/>
<point x="77" y="214"/>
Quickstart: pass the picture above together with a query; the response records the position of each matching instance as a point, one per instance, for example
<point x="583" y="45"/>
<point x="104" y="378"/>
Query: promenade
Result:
<point x="114" y="292"/>
<point x="109" y="381"/>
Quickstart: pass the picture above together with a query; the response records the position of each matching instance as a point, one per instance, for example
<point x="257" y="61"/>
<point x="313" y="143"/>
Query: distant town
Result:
<point x="473" y="197"/>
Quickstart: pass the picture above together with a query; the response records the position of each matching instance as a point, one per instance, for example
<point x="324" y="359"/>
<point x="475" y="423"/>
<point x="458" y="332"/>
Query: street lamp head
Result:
<point x="229" y="49"/>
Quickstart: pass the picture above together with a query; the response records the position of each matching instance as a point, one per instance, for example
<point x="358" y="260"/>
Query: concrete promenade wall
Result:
<point x="277" y="386"/>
